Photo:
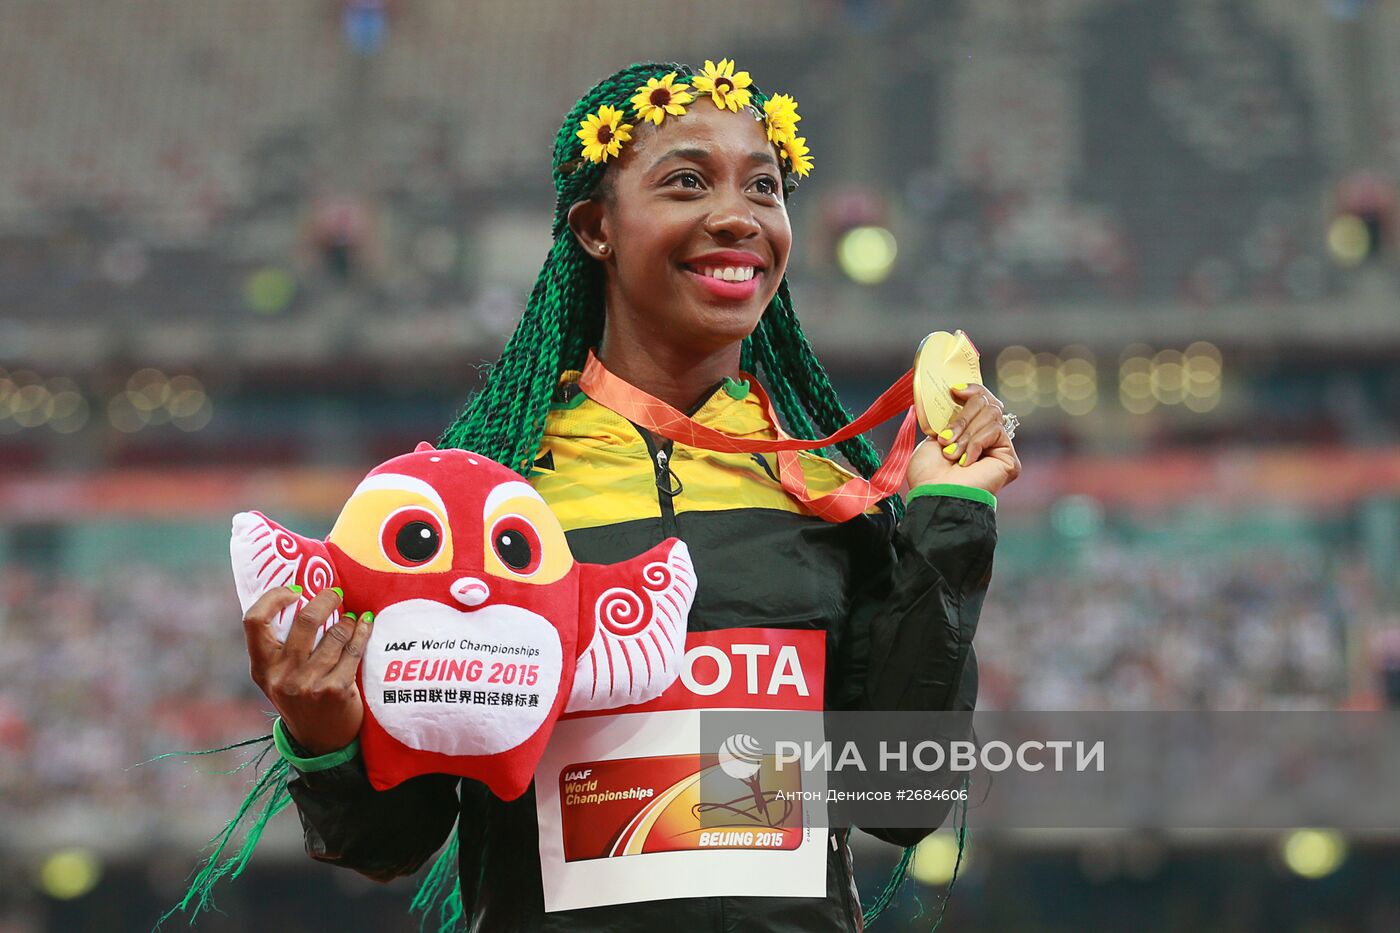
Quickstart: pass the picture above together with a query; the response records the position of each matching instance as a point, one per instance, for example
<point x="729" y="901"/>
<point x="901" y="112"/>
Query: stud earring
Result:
<point x="604" y="248"/>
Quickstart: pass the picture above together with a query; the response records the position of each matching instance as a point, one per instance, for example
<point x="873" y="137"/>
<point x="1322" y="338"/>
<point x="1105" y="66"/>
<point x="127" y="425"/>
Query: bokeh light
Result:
<point x="1313" y="853"/>
<point x="186" y="396"/>
<point x="192" y="419"/>
<point x="269" y="290"/>
<point x="1077" y="381"/>
<point x="152" y="397"/>
<point x="8" y="388"/>
<point x="866" y="254"/>
<point x="1192" y="378"/>
<point x="124" y="415"/>
<point x="935" y="858"/>
<point x="69" y="873"/>
<point x="1067" y="379"/>
<point x="1168" y="377"/>
<point x="1348" y="240"/>
<point x="1135" y="379"/>
<point x="32" y="405"/>
<point x="149" y="389"/>
<point x="1047" y="373"/>
<point x="1204" y="369"/>
<point x="70" y="412"/>
<point x="1015" y="375"/>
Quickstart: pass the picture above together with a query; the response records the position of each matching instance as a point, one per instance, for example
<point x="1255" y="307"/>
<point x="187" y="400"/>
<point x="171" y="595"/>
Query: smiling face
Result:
<point x="695" y="227"/>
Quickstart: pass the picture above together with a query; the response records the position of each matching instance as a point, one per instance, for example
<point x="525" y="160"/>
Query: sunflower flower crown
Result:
<point x="605" y="131"/>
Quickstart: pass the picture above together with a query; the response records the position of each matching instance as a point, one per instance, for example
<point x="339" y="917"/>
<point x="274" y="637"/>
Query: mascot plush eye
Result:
<point x="517" y="544"/>
<point x="411" y="536"/>
<point x="396" y="524"/>
<point x="524" y="541"/>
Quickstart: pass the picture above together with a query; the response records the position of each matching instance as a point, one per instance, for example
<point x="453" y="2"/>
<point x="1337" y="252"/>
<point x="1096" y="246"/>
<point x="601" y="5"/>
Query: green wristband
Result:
<point x="955" y="490"/>
<point x="320" y="762"/>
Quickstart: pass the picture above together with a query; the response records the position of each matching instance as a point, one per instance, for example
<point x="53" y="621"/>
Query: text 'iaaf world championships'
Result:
<point x="940" y="756"/>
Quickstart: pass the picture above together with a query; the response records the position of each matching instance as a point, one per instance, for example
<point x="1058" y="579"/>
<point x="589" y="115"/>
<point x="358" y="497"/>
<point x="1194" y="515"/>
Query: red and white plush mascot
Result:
<point x="485" y="627"/>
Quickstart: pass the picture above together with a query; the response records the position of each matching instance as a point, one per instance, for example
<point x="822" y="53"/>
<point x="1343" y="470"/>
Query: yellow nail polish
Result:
<point x="951" y="448"/>
<point x="946" y="434"/>
<point x="960" y="386"/>
<point x="962" y="461"/>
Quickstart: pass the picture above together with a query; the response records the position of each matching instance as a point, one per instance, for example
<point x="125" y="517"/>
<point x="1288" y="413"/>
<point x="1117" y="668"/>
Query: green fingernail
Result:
<point x="294" y="588"/>
<point x="349" y="615"/>
<point x="367" y="618"/>
<point x="338" y="591"/>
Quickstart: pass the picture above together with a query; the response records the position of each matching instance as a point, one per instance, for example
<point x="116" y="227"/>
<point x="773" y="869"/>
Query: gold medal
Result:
<point x="942" y="361"/>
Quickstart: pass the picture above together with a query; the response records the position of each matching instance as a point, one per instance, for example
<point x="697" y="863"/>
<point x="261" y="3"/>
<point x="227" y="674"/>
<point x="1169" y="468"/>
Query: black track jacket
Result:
<point x="899" y="604"/>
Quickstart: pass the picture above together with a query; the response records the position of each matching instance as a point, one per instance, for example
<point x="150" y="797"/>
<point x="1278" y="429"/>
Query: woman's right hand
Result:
<point x="313" y="689"/>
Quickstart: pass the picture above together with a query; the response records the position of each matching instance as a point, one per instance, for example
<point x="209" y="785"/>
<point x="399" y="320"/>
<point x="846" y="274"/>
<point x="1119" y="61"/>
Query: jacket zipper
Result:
<point x="668" y="484"/>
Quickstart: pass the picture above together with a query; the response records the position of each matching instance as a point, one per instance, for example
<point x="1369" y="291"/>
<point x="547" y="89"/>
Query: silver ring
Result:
<point x="1009" y="421"/>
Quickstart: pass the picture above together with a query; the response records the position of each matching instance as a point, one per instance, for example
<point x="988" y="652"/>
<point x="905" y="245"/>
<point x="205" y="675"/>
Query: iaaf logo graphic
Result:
<point x="741" y="758"/>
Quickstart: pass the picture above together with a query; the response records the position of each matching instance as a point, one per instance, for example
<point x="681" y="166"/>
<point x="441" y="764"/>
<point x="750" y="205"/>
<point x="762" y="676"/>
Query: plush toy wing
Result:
<point x="266" y="555"/>
<point x="632" y="622"/>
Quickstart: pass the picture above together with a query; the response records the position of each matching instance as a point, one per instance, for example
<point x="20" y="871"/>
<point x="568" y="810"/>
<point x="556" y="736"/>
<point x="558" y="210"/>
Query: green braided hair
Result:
<point x="564" y="315"/>
<point x="563" y="319"/>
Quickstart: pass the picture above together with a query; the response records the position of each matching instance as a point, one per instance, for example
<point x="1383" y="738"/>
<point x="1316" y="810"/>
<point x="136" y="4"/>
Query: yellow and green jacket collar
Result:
<point x="595" y="467"/>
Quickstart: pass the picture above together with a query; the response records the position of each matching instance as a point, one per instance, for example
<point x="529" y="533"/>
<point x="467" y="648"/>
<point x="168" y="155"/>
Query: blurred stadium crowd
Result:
<point x="1085" y="151"/>
<point x="1126" y="632"/>
<point x="102" y="674"/>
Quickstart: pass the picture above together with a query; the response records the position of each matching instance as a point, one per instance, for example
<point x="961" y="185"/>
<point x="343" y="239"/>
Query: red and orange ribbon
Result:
<point x="845" y="502"/>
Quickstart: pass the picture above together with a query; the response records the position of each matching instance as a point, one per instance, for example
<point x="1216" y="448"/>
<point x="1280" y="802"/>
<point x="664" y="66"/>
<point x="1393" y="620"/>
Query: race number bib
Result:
<point x="624" y="799"/>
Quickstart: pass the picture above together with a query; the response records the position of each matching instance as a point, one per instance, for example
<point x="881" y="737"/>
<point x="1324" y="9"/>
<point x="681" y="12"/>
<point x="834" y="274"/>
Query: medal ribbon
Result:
<point x="847" y="501"/>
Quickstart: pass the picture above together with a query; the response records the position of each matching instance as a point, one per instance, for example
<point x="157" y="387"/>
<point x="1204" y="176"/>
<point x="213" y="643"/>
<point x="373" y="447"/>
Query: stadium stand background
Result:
<point x="247" y="250"/>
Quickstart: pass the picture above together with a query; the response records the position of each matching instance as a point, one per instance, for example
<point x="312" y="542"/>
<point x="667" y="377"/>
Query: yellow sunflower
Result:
<point x="727" y="89"/>
<point x="603" y="133"/>
<point x="794" y="149"/>
<point x="659" y="96"/>
<point x="780" y="112"/>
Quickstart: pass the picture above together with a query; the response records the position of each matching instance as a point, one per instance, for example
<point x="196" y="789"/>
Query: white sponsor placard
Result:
<point x="625" y="816"/>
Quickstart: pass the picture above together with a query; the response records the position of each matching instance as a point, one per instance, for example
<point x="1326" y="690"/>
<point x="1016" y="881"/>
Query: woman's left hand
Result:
<point x="974" y="449"/>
